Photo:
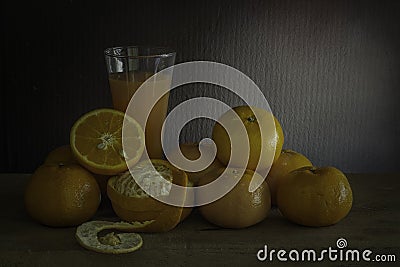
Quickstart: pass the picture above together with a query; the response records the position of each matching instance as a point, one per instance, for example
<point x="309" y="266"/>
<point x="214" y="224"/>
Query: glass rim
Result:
<point x="169" y="51"/>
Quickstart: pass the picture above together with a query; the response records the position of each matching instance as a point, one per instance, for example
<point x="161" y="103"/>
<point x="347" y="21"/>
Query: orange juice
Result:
<point x="124" y="85"/>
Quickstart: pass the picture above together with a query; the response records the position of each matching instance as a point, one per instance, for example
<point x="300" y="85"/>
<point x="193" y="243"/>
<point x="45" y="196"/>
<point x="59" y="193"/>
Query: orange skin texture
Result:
<point x="315" y="197"/>
<point x="64" y="155"/>
<point x="191" y="151"/>
<point x="62" y="195"/>
<point x="239" y="208"/>
<point x="288" y="161"/>
<point x="258" y="124"/>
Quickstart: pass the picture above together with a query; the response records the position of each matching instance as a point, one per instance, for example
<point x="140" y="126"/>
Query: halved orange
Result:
<point x="96" y="141"/>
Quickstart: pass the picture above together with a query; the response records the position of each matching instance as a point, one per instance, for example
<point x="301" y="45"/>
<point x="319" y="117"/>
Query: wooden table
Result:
<point x="372" y="224"/>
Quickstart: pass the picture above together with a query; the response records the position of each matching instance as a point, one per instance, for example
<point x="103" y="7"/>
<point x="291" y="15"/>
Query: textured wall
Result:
<point x="329" y="70"/>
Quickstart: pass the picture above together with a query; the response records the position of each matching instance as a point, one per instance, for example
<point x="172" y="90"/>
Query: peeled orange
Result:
<point x="132" y="204"/>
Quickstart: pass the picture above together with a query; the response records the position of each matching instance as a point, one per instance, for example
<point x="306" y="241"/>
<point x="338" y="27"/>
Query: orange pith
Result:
<point x="141" y="208"/>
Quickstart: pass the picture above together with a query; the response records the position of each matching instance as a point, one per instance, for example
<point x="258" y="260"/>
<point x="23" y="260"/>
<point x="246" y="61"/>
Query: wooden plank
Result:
<point x="372" y="224"/>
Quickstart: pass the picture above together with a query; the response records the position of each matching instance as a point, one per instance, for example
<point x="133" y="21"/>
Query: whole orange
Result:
<point x="263" y="131"/>
<point x="313" y="196"/>
<point x="191" y="152"/>
<point x="288" y="161"/>
<point x="239" y="208"/>
<point x="62" y="195"/>
<point x="64" y="155"/>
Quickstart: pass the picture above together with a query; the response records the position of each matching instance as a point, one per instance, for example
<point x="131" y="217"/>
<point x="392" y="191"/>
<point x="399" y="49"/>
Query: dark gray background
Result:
<point x="329" y="69"/>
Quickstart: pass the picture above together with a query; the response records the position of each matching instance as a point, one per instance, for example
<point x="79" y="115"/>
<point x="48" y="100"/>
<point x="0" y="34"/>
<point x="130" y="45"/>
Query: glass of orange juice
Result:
<point x="128" y="67"/>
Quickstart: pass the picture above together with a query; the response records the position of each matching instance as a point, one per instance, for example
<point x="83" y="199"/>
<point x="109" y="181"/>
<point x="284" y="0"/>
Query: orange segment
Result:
<point x="96" y="141"/>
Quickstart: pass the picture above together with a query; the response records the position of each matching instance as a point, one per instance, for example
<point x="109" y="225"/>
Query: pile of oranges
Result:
<point x="66" y="190"/>
<point x="304" y="194"/>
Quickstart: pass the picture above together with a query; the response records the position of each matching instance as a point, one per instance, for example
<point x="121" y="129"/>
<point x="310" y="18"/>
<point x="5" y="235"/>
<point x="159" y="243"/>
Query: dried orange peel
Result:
<point x="87" y="236"/>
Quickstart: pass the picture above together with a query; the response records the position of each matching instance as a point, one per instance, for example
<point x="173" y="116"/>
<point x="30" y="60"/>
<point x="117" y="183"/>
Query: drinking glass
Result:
<point x="128" y="67"/>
